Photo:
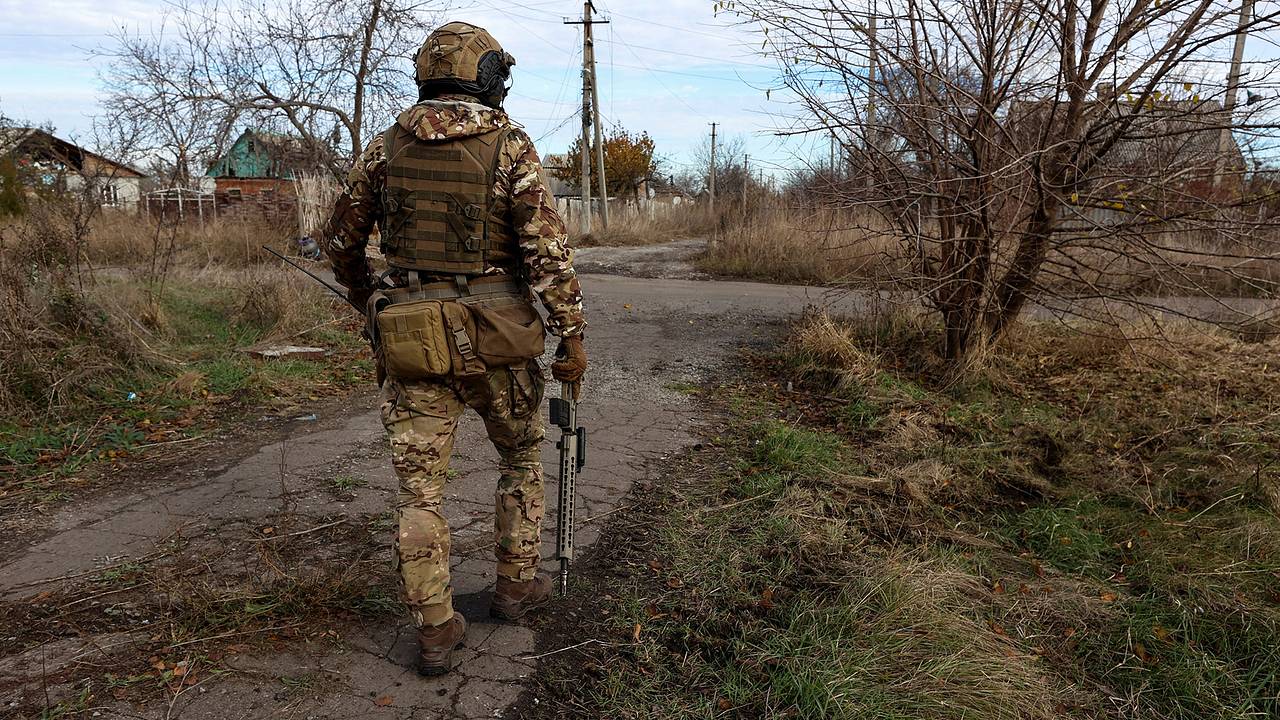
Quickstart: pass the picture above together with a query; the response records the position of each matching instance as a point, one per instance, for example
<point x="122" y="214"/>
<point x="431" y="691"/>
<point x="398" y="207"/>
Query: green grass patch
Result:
<point x="1077" y="532"/>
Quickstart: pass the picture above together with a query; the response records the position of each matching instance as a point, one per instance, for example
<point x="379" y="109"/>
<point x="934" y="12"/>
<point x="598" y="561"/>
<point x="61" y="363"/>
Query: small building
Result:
<point x="42" y="163"/>
<point x="257" y="174"/>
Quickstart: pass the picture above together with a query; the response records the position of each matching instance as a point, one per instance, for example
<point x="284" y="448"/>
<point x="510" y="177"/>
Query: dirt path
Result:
<point x="647" y="337"/>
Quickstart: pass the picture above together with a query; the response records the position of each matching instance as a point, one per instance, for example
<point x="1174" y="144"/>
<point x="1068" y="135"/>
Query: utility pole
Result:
<point x="1233" y="83"/>
<point x="590" y="118"/>
<point x="746" y="183"/>
<point x="712" y="182"/>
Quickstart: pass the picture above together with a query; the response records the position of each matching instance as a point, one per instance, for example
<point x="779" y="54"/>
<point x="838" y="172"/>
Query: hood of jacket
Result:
<point x="450" y="118"/>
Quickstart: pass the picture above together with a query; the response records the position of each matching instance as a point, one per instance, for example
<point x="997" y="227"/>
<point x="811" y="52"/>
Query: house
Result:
<point x="257" y="173"/>
<point x="43" y="163"/>
<point x="557" y="164"/>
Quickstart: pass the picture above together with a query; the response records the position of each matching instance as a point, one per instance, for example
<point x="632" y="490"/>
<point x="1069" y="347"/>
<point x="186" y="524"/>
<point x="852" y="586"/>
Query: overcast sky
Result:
<point x="668" y="68"/>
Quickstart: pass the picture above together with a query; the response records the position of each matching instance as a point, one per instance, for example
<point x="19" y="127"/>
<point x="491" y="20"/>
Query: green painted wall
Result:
<point x="247" y="158"/>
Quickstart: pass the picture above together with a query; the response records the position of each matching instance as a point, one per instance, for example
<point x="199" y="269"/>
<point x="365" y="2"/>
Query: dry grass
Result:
<point x="138" y="241"/>
<point x="815" y="246"/>
<point x="114" y="331"/>
<point x="775" y="241"/>
<point x="655" y="224"/>
<point x="1084" y="528"/>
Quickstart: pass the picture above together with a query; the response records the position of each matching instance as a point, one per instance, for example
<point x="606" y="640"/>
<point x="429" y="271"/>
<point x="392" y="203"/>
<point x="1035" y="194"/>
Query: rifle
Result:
<point x="573" y="455"/>
<point x="318" y="279"/>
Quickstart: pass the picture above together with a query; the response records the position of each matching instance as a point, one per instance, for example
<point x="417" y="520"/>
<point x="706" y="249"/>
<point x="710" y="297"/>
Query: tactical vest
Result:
<point x="439" y="210"/>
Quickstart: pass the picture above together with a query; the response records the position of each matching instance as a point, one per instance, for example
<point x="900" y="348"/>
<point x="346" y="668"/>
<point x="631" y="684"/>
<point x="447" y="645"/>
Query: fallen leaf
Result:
<point x="998" y="588"/>
<point x="1108" y="597"/>
<point x="1141" y="651"/>
<point x="674" y="582"/>
<point x="766" y="599"/>
<point x="1069" y="632"/>
<point x="635" y="633"/>
<point x="724" y="704"/>
<point x="1160" y="633"/>
<point x="383" y="701"/>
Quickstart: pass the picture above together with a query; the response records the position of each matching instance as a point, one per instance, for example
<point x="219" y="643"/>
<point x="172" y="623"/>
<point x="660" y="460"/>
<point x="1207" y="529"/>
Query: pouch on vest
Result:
<point x="428" y="339"/>
<point x="508" y="330"/>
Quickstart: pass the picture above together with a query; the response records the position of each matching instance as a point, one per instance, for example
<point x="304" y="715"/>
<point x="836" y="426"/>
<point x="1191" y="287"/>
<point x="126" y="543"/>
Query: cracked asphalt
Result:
<point x="646" y="338"/>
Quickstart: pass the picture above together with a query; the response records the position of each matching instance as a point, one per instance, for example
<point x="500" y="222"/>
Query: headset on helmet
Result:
<point x="465" y="58"/>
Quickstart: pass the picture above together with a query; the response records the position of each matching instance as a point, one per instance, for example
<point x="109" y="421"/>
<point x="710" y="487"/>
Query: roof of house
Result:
<point x="30" y="140"/>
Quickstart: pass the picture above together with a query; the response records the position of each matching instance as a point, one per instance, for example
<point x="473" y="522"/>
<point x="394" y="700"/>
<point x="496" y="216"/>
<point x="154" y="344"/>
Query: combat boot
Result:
<point x="513" y="599"/>
<point x="437" y="643"/>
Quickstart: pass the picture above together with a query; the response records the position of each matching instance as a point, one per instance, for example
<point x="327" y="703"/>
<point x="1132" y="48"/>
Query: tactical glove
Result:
<point x="571" y="360"/>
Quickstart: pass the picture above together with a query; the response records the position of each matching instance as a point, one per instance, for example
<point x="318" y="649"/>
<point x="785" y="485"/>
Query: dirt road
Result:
<point x="647" y="338"/>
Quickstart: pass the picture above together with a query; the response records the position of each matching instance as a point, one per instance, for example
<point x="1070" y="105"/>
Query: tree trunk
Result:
<point x="362" y="72"/>
<point x="1015" y="287"/>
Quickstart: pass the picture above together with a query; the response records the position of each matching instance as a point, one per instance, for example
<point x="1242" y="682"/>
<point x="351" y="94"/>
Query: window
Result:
<point x="233" y="193"/>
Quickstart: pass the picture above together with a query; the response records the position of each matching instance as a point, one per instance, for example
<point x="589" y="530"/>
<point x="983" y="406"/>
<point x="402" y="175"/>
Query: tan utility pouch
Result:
<point x="508" y="329"/>
<point x="427" y="339"/>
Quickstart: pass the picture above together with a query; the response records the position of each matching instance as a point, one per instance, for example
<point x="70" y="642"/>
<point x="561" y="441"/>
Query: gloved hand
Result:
<point x="571" y="360"/>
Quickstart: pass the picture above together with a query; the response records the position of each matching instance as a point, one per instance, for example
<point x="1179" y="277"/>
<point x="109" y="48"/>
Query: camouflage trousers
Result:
<point x="421" y="418"/>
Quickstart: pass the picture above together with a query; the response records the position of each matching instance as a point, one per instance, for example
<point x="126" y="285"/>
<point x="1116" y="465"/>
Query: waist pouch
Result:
<point x="461" y="337"/>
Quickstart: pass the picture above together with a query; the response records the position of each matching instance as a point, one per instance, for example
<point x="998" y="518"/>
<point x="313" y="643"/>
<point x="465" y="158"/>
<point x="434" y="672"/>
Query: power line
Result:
<point x="559" y="127"/>
<point x="673" y="27"/>
<point x="697" y="57"/>
<point x="678" y="98"/>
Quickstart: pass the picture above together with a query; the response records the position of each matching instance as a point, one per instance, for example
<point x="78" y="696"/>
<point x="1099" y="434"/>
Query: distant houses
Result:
<point x="648" y="196"/>
<point x="258" y="174"/>
<point x="39" y="162"/>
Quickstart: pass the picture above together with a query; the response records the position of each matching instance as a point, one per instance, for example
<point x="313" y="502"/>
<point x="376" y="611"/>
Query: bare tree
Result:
<point x="1037" y="150"/>
<point x="323" y="70"/>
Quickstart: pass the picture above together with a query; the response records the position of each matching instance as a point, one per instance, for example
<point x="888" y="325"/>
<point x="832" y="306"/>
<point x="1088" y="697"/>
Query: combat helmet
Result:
<point x="461" y="57"/>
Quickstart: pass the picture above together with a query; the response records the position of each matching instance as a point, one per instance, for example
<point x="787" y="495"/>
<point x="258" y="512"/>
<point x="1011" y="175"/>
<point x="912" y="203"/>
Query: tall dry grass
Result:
<point x="770" y="240"/>
<point x="780" y="239"/>
<point x="87" y="299"/>
<point x="645" y="226"/>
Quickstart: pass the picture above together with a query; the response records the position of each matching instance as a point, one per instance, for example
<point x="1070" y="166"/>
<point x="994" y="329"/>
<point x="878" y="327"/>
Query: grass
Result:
<point x="1089" y="529"/>
<point x="103" y="361"/>
<point x="346" y="484"/>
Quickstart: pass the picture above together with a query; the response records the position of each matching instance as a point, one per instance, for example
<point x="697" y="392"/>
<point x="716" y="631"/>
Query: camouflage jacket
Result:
<point x="519" y="190"/>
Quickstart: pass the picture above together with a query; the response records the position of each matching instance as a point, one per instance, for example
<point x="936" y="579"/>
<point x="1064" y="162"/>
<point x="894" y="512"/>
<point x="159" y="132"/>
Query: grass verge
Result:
<point x="1090" y="530"/>
<point x="159" y="367"/>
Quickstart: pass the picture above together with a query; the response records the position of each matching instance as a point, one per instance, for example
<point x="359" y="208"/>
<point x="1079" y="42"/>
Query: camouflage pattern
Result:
<point x="421" y="419"/>
<point x="521" y="190"/>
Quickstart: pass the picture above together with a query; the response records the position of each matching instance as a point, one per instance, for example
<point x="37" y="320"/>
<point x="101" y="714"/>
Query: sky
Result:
<point x="668" y="68"/>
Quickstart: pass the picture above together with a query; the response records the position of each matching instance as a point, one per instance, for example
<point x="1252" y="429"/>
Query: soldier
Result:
<point x="470" y="233"/>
